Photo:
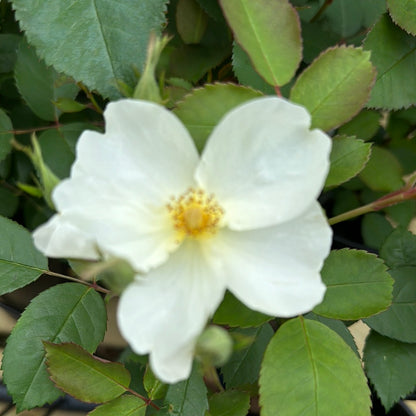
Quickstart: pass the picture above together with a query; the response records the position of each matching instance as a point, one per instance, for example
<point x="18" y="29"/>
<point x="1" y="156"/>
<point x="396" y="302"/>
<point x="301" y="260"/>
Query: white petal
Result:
<point x="275" y="270"/>
<point x="138" y="231"/>
<point x="122" y="180"/>
<point x="263" y="163"/>
<point x="163" y="312"/>
<point x="59" y="238"/>
<point x="145" y="147"/>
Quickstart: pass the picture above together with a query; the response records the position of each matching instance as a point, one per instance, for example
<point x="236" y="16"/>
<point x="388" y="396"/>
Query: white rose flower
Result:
<point x="242" y="217"/>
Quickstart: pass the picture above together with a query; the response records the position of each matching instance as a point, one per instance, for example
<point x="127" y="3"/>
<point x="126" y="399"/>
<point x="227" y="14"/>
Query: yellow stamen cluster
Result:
<point x="195" y="214"/>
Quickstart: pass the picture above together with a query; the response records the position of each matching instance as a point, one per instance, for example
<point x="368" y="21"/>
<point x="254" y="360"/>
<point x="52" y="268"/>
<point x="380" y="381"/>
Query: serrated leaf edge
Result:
<point x="368" y="89"/>
<point x="46" y="343"/>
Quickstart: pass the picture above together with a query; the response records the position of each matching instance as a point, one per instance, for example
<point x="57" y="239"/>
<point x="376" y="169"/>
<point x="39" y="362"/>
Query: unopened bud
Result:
<point x="214" y="346"/>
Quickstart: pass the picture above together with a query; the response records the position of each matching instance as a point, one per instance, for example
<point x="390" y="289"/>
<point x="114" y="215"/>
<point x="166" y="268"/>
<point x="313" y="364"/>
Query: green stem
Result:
<point x="211" y="378"/>
<point x="396" y="197"/>
<point x="94" y="285"/>
<point x="145" y="399"/>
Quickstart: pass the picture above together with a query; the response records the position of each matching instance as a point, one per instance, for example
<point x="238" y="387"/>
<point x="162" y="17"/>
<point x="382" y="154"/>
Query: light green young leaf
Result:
<point x="229" y="403"/>
<point x="125" y="405"/>
<point x="335" y="86"/>
<point x="318" y="387"/>
<point x="110" y="37"/>
<point x="188" y="397"/>
<point x="403" y="12"/>
<point x="40" y="85"/>
<point x="383" y="171"/>
<point x="201" y="110"/>
<point x="233" y="313"/>
<point x="393" y="52"/>
<point x="358" y="285"/>
<point x="270" y="34"/>
<point x="68" y="312"/>
<point x="398" y="321"/>
<point x="244" y="365"/>
<point x="191" y="21"/>
<point x="348" y="157"/>
<point x="20" y="262"/>
<point x="6" y="135"/>
<point x="84" y="376"/>
<point x="391" y="367"/>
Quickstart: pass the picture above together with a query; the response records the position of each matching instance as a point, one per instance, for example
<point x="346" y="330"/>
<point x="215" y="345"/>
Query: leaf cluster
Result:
<point x="349" y="62"/>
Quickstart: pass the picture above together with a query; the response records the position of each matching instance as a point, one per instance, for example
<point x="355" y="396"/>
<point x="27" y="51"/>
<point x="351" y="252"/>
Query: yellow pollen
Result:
<point x="195" y="214"/>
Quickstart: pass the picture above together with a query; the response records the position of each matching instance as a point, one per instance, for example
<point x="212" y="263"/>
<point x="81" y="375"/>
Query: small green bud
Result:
<point x="214" y="346"/>
<point x="48" y="180"/>
<point x="148" y="88"/>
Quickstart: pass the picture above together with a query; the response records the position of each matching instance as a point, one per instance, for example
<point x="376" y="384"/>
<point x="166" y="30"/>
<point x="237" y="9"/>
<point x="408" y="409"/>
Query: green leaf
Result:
<point x="110" y="37"/>
<point x="322" y="363"/>
<point x="9" y="201"/>
<point x="375" y="228"/>
<point x="393" y="52"/>
<point x="201" y="110"/>
<point x="192" y="62"/>
<point x="346" y="17"/>
<point x="391" y="367"/>
<point x="316" y="39"/>
<point x="337" y="326"/>
<point x="125" y="405"/>
<point x="246" y="74"/>
<point x="383" y="171"/>
<point x="212" y="8"/>
<point x="358" y="285"/>
<point x="84" y="376"/>
<point x="20" y="262"/>
<point x="244" y="365"/>
<point x="68" y="105"/>
<point x="58" y="146"/>
<point x="402" y="214"/>
<point x="188" y="397"/>
<point x="403" y="12"/>
<point x="335" y="86"/>
<point x="6" y="135"/>
<point x="68" y="312"/>
<point x="399" y="249"/>
<point x="398" y="321"/>
<point x="270" y="33"/>
<point x="233" y="313"/>
<point x="363" y="126"/>
<point x="348" y="157"/>
<point x="155" y="389"/>
<point x="39" y="85"/>
<point x="56" y="152"/>
<point x="8" y="47"/>
<point x="191" y="21"/>
<point x="229" y="403"/>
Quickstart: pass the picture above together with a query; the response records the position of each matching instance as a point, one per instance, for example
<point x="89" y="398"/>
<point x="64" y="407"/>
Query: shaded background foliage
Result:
<point x="349" y="62"/>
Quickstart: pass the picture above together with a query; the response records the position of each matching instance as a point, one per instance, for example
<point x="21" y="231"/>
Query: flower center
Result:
<point x="195" y="214"/>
